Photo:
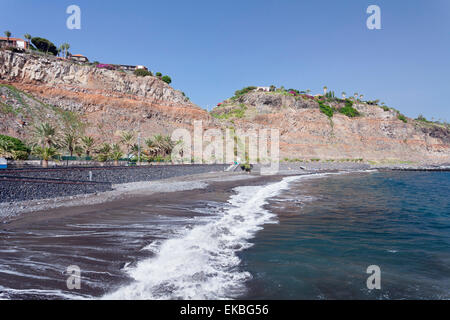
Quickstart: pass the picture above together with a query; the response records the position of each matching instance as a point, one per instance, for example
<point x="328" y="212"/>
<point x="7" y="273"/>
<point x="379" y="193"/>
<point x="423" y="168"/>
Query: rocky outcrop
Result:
<point x="108" y="100"/>
<point x="275" y="101"/>
<point x="113" y="101"/>
<point x="54" y="72"/>
<point x="306" y="133"/>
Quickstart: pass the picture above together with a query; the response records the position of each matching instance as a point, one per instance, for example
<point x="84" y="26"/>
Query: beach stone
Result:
<point x="39" y="183"/>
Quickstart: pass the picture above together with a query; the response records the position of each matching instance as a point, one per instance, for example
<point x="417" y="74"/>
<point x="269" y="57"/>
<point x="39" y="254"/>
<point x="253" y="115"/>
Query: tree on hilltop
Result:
<point x="28" y="37"/>
<point x="44" y="45"/>
<point x="166" y="79"/>
<point x="8" y="35"/>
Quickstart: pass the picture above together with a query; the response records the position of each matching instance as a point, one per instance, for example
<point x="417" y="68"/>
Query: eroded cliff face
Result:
<point x="307" y="133"/>
<point x="109" y="101"/>
<point x="112" y="101"/>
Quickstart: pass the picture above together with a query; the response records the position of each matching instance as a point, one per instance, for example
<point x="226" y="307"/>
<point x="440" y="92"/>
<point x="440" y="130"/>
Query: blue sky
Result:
<point x="212" y="48"/>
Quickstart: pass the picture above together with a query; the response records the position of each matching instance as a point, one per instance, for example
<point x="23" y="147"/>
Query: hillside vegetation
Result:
<point x="244" y="105"/>
<point x="330" y="128"/>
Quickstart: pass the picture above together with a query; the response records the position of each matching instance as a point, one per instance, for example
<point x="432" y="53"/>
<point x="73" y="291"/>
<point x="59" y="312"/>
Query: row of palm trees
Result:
<point x="64" y="48"/>
<point x="49" y="142"/>
<point x="344" y="94"/>
<point x="160" y="146"/>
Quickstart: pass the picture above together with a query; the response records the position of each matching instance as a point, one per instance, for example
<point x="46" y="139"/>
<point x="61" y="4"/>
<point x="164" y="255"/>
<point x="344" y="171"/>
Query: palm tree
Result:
<point x="361" y="97"/>
<point x="158" y="140"/>
<point x="135" y="149"/>
<point x="67" y="47"/>
<point x="64" y="47"/>
<point x="103" y="154"/>
<point x="325" y="89"/>
<point x="116" y="154"/>
<point x="308" y="91"/>
<point x="356" y="96"/>
<point x="70" y="141"/>
<point x="344" y="95"/>
<point x="169" y="144"/>
<point x="87" y="143"/>
<point x="8" y="35"/>
<point x="162" y="144"/>
<point x="46" y="135"/>
<point x="28" y="37"/>
<point x="127" y="139"/>
<point x="152" y="148"/>
<point x="79" y="151"/>
<point x="60" y="49"/>
<point x="45" y="153"/>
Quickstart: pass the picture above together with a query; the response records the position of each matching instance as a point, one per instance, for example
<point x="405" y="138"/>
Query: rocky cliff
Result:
<point x="36" y="88"/>
<point x="377" y="133"/>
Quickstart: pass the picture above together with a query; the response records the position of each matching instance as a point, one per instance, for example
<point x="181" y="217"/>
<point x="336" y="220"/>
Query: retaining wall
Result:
<point x="115" y="175"/>
<point x="14" y="189"/>
<point x="39" y="183"/>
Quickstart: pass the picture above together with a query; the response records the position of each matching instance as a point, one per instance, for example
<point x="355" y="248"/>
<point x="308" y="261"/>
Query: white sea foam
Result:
<point x="6" y="293"/>
<point x="203" y="263"/>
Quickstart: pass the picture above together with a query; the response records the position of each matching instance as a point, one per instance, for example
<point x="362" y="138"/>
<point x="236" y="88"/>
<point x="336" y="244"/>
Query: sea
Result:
<point x="365" y="235"/>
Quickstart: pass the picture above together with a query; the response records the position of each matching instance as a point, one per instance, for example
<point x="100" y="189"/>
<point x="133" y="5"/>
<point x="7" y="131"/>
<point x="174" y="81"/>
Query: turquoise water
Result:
<point x="332" y="228"/>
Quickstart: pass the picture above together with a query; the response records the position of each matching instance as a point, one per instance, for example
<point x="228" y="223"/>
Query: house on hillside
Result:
<point x="127" y="67"/>
<point x="141" y="68"/>
<point x="79" y="58"/>
<point x="13" y="42"/>
<point x="263" y="89"/>
<point x="132" y="68"/>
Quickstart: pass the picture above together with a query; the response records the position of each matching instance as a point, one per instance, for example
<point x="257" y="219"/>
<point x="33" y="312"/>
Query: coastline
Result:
<point x="121" y="192"/>
<point x="167" y="229"/>
<point x="127" y="191"/>
<point x="109" y="238"/>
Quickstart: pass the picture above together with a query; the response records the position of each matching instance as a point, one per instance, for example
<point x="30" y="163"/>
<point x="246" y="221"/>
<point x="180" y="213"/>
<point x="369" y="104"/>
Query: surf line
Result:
<point x="192" y="310"/>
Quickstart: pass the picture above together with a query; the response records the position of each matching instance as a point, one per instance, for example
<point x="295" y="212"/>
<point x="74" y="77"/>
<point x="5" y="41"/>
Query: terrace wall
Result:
<point x="38" y="183"/>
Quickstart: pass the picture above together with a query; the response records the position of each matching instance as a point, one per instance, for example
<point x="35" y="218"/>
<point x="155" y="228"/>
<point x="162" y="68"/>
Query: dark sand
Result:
<point x="36" y="248"/>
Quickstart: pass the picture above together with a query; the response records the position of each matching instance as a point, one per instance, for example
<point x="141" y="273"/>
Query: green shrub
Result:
<point x="166" y="79"/>
<point x="243" y="91"/>
<point x="246" y="167"/>
<point x="326" y="109"/>
<point x="158" y="74"/>
<point x="385" y="108"/>
<point x="7" y="109"/>
<point x="402" y="118"/>
<point x="348" y="110"/>
<point x="422" y="118"/>
<point x="13" y="148"/>
<point x="142" y="73"/>
<point x="330" y="95"/>
<point x="233" y="113"/>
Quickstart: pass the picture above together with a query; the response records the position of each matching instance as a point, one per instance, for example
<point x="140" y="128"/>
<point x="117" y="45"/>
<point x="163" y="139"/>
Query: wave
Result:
<point x="12" y="294"/>
<point x="203" y="263"/>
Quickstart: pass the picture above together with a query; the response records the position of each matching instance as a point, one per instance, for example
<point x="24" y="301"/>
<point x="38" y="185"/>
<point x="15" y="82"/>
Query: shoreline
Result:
<point x="137" y="223"/>
<point x="141" y="219"/>
<point x="9" y="211"/>
<point x="126" y="191"/>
